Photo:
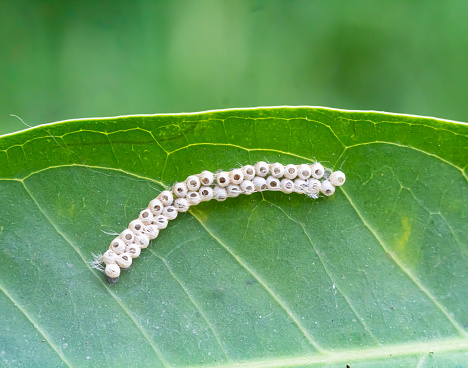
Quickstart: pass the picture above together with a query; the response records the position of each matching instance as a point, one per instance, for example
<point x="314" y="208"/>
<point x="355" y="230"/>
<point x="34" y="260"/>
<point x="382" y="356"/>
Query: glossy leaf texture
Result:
<point x="374" y="276"/>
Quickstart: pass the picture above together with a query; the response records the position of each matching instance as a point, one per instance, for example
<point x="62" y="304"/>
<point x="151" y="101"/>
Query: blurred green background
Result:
<point x="61" y="60"/>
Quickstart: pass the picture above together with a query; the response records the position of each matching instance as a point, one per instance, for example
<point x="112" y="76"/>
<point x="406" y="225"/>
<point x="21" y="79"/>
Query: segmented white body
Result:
<point x="303" y="179"/>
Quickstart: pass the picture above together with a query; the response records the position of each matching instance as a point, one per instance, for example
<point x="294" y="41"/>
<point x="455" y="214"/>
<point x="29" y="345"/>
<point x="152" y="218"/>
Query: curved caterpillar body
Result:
<point x="305" y="179"/>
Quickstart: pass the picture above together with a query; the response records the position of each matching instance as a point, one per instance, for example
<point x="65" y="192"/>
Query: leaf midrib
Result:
<point x="380" y="352"/>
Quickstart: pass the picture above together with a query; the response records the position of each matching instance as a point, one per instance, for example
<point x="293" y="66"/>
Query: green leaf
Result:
<point x="374" y="276"/>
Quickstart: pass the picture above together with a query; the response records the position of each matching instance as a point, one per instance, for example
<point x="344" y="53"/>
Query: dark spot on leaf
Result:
<point x="112" y="280"/>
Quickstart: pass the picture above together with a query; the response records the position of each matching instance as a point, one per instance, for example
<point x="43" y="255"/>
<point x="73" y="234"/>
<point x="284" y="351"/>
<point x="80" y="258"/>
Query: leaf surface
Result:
<point x="375" y="275"/>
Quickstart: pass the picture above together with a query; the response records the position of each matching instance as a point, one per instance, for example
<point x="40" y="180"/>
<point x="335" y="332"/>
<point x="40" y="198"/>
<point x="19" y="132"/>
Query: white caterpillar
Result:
<point x="304" y="179"/>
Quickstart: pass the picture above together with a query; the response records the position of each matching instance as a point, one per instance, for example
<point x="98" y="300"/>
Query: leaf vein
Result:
<point x="119" y="302"/>
<point x="348" y="301"/>
<point x="405" y="146"/>
<point x="275" y="297"/>
<point x="36" y="326"/>
<point x="392" y="255"/>
<point x="194" y="302"/>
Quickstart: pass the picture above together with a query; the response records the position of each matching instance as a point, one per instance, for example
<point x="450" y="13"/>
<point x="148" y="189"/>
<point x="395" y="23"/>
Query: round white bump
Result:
<point x="180" y="190"/>
<point x="133" y="250"/>
<point x="166" y="197"/>
<point x="161" y="221"/>
<point x="170" y="212"/>
<point x="222" y="178"/>
<point x="124" y="260"/>
<point x="136" y="226"/>
<point x="327" y="188"/>
<point x="206" y="193"/>
<point x="193" y="183"/>
<point x="300" y="185"/>
<point x="146" y="216"/>
<point x="290" y="172"/>
<point x="112" y="270"/>
<point x="151" y="231"/>
<point x="142" y="240"/>
<point x="273" y="183"/>
<point x="233" y="190"/>
<point x="287" y="186"/>
<point x="277" y="170"/>
<point x="109" y="257"/>
<point x="314" y="186"/>
<point x="304" y="172"/>
<point x="118" y="246"/>
<point x="259" y="183"/>
<point x="127" y="236"/>
<point x="236" y="176"/>
<point x="317" y="170"/>
<point x="181" y="204"/>
<point x="193" y="198"/>
<point x="247" y="187"/>
<point x="337" y="178"/>
<point x="249" y="172"/>
<point x="262" y="168"/>
<point x="156" y="207"/>
<point x="206" y="178"/>
<point x="220" y="194"/>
